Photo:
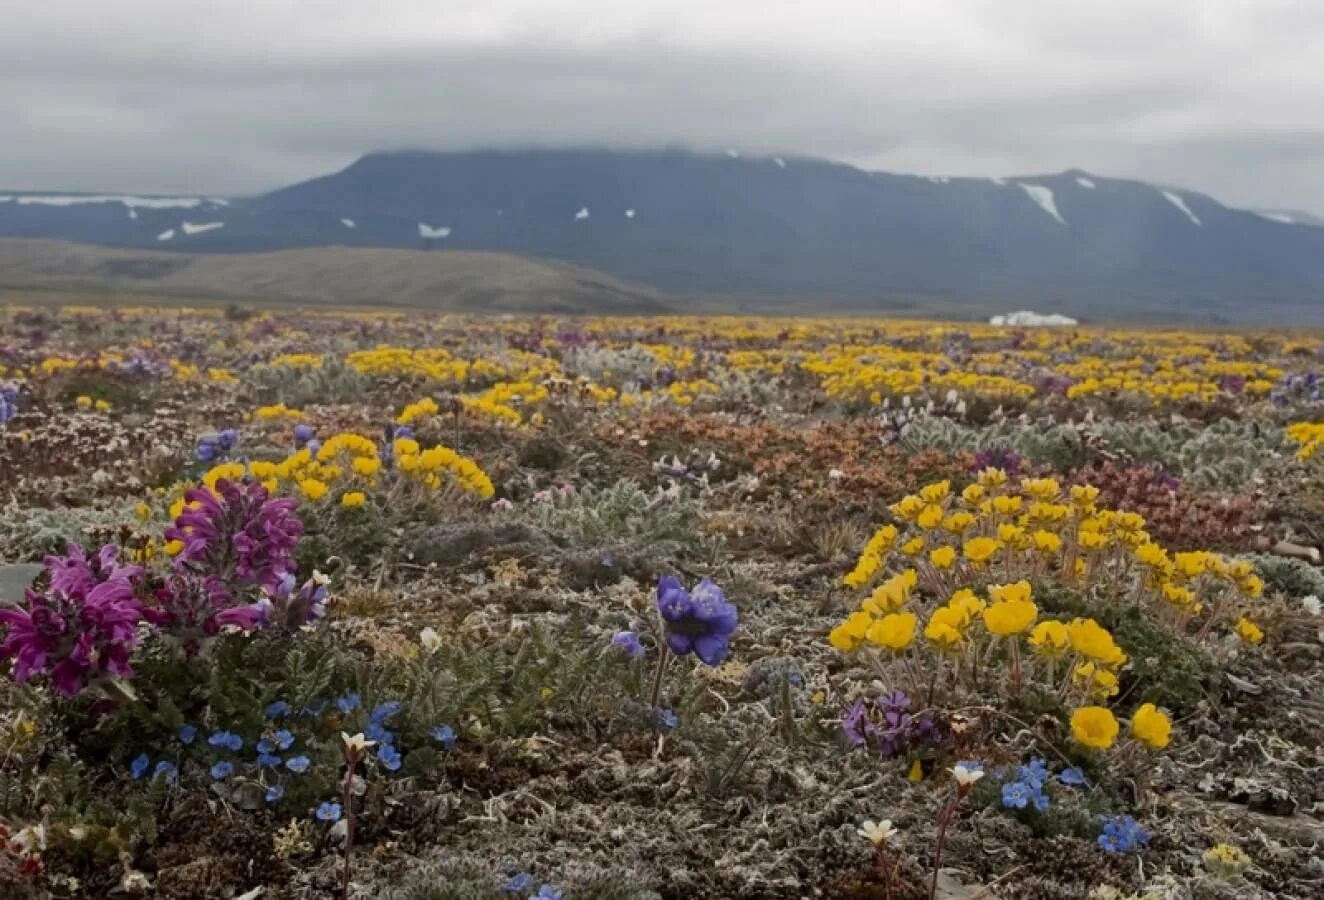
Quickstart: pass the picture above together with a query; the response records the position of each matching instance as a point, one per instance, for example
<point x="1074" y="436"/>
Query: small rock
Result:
<point x="13" y="580"/>
<point x="951" y="889"/>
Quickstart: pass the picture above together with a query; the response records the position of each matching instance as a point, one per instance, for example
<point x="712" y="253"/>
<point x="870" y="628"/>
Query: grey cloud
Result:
<point x="1218" y="96"/>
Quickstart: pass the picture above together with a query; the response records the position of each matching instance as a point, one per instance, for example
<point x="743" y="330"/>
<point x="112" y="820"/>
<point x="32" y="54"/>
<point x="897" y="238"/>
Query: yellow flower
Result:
<point x="1092" y="641"/>
<point x="891" y="595"/>
<point x="353" y="499"/>
<point x="143" y="512"/>
<point x="895" y="631"/>
<point x="973" y="494"/>
<point x="1047" y="542"/>
<point x="102" y="406"/>
<point x="1020" y="590"/>
<point x="943" y="557"/>
<point x="1008" y="617"/>
<point x="929" y="518"/>
<point x="981" y="549"/>
<point x="1094" y="727"/>
<point x="991" y="477"/>
<point x="967" y="604"/>
<point x="82" y="401"/>
<point x="944" y="628"/>
<point x="1041" y="489"/>
<point x="1249" y="631"/>
<point x="1151" y="727"/>
<point x="851" y="633"/>
<point x="173" y="548"/>
<point x="1007" y="506"/>
<point x="1083" y="496"/>
<point x="913" y="547"/>
<point x="262" y="469"/>
<point x="1049" y="638"/>
<point x="366" y="465"/>
<point x="1099" y="683"/>
<point x="959" y="522"/>
<point x="916" y="773"/>
<point x="936" y="492"/>
<point x="312" y="488"/>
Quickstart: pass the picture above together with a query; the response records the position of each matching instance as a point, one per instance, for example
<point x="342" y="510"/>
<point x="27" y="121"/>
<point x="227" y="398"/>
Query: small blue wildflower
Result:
<point x="268" y="760"/>
<point x="389" y="757"/>
<point x="186" y="734"/>
<point x="518" y="883"/>
<point x="1073" y="776"/>
<point x="329" y="812"/>
<point x="277" y="710"/>
<point x="1035" y="772"/>
<point x="444" y="735"/>
<point x="796" y="679"/>
<point x="167" y="770"/>
<point x="275" y="792"/>
<point x="383" y="712"/>
<point x="378" y="733"/>
<point x="298" y="764"/>
<point x="629" y="644"/>
<point x="226" y="739"/>
<point x="1122" y="834"/>
<point x="1015" y="795"/>
<point x="265" y="746"/>
<point x="303" y="434"/>
<point x="347" y="703"/>
<point x="667" y="719"/>
<point x="547" y="892"/>
<point x="222" y="770"/>
<point x="138" y="768"/>
<point x="284" y="740"/>
<point x="1039" y="798"/>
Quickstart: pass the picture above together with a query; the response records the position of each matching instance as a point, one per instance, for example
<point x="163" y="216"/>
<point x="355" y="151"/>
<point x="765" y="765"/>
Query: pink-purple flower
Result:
<point x="81" y="628"/>
<point x="699" y="621"/>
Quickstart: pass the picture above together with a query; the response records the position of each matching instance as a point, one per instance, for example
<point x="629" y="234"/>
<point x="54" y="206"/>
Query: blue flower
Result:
<point x="275" y="792"/>
<point x="389" y="757"/>
<point x="167" y="770"/>
<point x="547" y="892"/>
<point x="1122" y="834"/>
<point x="444" y="735"/>
<point x="666" y="719"/>
<point x="277" y="710"/>
<point x="222" y="770"/>
<point x="347" y="703"/>
<point x="303" y="434"/>
<point x="298" y="764"/>
<point x="1034" y="773"/>
<point x="284" y="740"/>
<point x="268" y="760"/>
<point x="1073" y="777"/>
<point x="227" y="439"/>
<point x="226" y="739"/>
<point x="700" y="622"/>
<point x="138" y="768"/>
<point x="329" y="812"/>
<point x="518" y="883"/>
<point x="265" y="746"/>
<point x="378" y="733"/>
<point x="383" y="712"/>
<point x="628" y="641"/>
<point x="1015" y="795"/>
<point x="186" y="734"/>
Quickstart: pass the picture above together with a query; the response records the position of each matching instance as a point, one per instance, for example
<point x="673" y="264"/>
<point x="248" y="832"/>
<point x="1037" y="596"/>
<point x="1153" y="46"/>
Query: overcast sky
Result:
<point x="236" y="96"/>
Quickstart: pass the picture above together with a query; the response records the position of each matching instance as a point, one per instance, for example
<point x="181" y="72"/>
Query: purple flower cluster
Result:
<point x="212" y="447"/>
<point x="238" y="534"/>
<point x="1002" y="458"/>
<point x="81" y="627"/>
<point x="888" y="724"/>
<point x="1296" y="388"/>
<point x="8" y="402"/>
<point x="291" y="607"/>
<point x="699" y="621"/>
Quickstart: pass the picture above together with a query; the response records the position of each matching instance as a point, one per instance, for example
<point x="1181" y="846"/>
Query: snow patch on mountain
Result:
<point x="348" y="223"/>
<point x="427" y="231"/>
<point x="127" y="200"/>
<point x="1043" y="198"/>
<point x="582" y="214"/>
<point x="1280" y="218"/>
<point x="190" y="228"/>
<point x="166" y="235"/>
<point x="1032" y="319"/>
<point x="1086" y="183"/>
<point x="1178" y="202"/>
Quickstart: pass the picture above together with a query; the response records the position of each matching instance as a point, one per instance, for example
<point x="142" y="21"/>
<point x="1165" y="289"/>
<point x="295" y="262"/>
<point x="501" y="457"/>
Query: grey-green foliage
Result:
<point x="620" y="513"/>
<point x="1224" y="455"/>
<point x="334" y="381"/>
<point x="611" y="365"/>
<point x="455" y="878"/>
<point x="1040" y="442"/>
<point x="1292" y="577"/>
<point x="29" y="533"/>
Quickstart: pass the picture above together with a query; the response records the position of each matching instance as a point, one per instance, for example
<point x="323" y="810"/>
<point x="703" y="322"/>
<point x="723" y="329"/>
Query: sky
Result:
<point x="240" y="96"/>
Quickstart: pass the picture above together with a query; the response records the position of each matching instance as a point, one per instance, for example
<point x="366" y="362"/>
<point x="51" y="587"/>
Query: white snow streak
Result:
<point x="81" y="199"/>
<point x="629" y="214"/>
<point x="781" y="163"/>
<point x="348" y="223"/>
<point x="1043" y="198"/>
<point x="582" y="214"/>
<point x="427" y="231"/>
<point x="1280" y="218"/>
<point x="1181" y="204"/>
<point x="190" y="228"/>
<point x="166" y="235"/>
<point x="1086" y="183"/>
<point x="1025" y="317"/>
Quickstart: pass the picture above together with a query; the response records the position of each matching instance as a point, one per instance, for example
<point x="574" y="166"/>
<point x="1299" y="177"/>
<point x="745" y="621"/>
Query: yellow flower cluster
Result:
<point x="1309" y="436"/>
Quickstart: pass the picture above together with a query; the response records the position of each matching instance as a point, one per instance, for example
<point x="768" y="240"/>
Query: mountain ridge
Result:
<point x="763" y="229"/>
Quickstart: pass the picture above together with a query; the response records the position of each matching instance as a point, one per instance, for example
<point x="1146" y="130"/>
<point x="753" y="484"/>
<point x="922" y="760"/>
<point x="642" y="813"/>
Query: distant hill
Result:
<point x="770" y="231"/>
<point x="451" y="280"/>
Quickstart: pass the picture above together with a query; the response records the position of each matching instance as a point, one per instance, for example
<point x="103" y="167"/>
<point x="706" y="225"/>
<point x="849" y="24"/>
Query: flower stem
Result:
<point x="662" y="659"/>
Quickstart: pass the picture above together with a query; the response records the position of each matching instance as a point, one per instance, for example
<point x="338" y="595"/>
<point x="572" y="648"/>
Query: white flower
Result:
<point x="1311" y="604"/>
<point x="966" y="776"/>
<point x="430" y="640"/>
<point x="836" y="474"/>
<point x="876" y="833"/>
<point x="29" y="841"/>
<point x="502" y="503"/>
<point x="320" y="578"/>
<point x="356" y="743"/>
<point x="134" y="882"/>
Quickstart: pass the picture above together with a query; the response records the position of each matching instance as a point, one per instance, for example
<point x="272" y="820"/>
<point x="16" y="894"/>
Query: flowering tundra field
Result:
<point x="376" y="605"/>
